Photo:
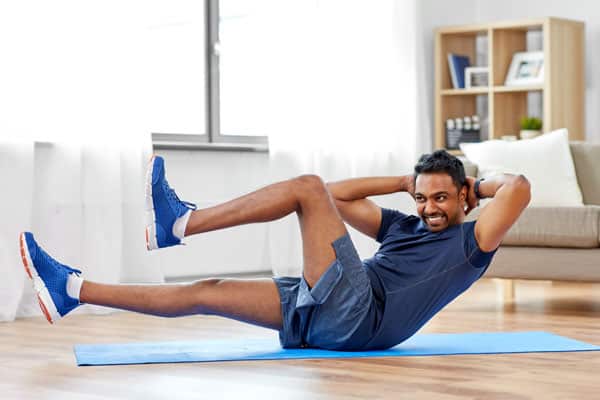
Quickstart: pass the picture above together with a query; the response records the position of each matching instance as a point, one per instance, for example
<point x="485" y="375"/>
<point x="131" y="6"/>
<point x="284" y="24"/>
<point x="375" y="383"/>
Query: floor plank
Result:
<point x="37" y="359"/>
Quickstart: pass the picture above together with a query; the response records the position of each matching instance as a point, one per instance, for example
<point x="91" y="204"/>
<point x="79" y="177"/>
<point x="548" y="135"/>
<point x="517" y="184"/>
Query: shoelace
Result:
<point x="172" y="196"/>
<point x="56" y="264"/>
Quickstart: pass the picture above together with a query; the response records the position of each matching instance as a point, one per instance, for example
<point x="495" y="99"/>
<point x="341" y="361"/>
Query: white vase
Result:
<point x="529" y="133"/>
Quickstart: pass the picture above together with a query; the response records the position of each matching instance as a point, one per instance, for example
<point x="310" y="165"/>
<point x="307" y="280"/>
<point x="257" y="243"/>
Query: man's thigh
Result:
<point x="320" y="225"/>
<point x="338" y="312"/>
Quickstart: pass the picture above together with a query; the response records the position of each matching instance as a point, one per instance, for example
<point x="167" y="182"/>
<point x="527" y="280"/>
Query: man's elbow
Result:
<point x="522" y="186"/>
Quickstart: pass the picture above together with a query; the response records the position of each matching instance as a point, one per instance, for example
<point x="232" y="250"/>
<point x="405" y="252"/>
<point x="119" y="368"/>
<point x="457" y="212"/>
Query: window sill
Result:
<point x="182" y="145"/>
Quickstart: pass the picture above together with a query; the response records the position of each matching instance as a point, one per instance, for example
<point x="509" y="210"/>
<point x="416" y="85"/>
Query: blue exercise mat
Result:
<point x="269" y="349"/>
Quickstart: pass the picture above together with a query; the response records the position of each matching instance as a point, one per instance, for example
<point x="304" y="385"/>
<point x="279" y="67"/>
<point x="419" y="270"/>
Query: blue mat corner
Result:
<point x="269" y="349"/>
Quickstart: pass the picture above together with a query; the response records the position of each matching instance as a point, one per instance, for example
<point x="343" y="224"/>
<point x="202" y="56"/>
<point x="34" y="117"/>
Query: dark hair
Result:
<point x="442" y="161"/>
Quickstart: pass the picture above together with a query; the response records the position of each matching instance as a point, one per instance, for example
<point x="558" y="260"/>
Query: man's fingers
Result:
<point x="471" y="205"/>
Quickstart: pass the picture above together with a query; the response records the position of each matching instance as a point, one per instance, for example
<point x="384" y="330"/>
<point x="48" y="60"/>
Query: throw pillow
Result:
<point x="546" y="161"/>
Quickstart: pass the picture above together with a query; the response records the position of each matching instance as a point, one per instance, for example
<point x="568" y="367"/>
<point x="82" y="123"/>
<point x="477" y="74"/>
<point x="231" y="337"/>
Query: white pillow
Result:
<point x="546" y="161"/>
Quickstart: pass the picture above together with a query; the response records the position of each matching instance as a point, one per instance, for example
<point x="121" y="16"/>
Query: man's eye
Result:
<point x="441" y="198"/>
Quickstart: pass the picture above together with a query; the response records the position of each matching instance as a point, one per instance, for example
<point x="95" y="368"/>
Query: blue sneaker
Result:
<point x="49" y="279"/>
<point x="163" y="207"/>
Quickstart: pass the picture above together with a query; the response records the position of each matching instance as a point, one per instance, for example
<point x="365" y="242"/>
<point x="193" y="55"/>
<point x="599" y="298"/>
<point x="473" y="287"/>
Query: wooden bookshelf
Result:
<point x="454" y="92"/>
<point x="562" y="92"/>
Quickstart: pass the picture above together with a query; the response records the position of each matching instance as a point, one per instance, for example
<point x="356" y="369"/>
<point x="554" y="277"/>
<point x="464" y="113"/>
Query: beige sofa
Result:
<point x="555" y="243"/>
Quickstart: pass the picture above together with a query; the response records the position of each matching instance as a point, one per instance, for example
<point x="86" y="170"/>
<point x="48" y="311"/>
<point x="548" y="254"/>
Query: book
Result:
<point x="457" y="64"/>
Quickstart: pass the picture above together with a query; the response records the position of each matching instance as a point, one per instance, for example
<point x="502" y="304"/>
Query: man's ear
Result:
<point x="462" y="195"/>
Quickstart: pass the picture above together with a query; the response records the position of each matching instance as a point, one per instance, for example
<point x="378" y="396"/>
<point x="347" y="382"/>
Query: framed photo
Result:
<point x="526" y="68"/>
<point x="476" y="77"/>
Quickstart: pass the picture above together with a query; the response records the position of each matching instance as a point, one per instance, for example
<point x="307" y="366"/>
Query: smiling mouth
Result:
<point x="435" y="220"/>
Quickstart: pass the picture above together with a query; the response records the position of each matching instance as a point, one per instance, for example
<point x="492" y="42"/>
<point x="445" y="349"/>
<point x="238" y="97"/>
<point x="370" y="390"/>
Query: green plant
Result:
<point x="531" y="123"/>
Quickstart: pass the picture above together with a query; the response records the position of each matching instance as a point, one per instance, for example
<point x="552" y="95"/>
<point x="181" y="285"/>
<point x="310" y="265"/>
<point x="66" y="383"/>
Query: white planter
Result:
<point x="529" y="134"/>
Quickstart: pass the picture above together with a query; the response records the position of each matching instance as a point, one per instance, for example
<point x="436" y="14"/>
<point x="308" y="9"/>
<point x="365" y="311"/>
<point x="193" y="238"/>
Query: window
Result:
<point x="210" y="59"/>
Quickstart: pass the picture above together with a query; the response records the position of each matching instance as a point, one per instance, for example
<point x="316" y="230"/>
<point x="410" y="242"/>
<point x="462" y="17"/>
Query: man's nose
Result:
<point x="430" y="208"/>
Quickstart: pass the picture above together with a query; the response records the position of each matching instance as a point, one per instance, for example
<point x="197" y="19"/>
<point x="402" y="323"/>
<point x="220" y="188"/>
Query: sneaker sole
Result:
<point x="151" y="240"/>
<point x="43" y="296"/>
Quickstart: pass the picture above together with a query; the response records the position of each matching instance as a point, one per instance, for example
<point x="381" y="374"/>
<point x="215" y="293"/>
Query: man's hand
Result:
<point x="408" y="185"/>
<point x="472" y="200"/>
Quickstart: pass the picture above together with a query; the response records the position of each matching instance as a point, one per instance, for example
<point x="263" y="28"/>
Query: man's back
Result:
<point x="416" y="272"/>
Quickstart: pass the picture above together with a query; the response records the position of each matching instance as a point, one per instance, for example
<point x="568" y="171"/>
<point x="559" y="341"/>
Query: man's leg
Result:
<point x="254" y="301"/>
<point x="251" y="301"/>
<point x="307" y="195"/>
<point x="60" y="290"/>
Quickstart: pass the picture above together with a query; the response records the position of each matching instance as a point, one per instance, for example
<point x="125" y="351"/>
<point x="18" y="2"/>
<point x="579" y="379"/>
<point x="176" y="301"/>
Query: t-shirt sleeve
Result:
<point x="476" y="257"/>
<point x="388" y="218"/>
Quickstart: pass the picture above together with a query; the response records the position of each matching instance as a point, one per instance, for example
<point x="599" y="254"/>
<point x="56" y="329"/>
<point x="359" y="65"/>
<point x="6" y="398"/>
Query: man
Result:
<point x="340" y="302"/>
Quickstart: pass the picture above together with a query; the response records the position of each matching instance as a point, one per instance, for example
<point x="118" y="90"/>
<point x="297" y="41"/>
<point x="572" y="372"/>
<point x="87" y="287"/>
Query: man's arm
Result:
<point x="350" y="197"/>
<point x="511" y="195"/>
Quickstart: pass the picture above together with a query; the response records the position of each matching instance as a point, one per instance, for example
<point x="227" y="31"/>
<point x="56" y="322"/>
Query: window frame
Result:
<point x="213" y="139"/>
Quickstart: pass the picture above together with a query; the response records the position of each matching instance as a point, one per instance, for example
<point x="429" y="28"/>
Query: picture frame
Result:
<point x="476" y="77"/>
<point x="526" y="68"/>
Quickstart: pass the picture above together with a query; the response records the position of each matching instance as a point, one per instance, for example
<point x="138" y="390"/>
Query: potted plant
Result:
<point x="530" y="127"/>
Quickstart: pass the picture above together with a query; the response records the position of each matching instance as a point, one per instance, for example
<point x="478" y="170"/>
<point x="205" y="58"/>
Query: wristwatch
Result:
<point x="476" y="188"/>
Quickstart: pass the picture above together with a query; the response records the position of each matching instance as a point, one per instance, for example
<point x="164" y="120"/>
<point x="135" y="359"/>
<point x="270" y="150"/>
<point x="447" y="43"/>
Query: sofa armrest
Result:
<point x="586" y="157"/>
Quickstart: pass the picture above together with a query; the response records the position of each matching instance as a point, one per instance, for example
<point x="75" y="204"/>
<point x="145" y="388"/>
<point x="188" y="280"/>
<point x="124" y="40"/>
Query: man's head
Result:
<point x="440" y="190"/>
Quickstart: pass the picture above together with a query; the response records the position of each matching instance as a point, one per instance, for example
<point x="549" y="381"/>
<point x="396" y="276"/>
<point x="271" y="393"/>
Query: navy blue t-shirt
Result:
<point x="416" y="272"/>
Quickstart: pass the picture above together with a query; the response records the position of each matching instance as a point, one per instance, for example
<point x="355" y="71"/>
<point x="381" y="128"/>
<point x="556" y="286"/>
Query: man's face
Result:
<point x="439" y="203"/>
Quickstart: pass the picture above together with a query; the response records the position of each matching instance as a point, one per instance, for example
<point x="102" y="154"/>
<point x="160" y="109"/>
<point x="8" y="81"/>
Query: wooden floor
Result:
<point x="37" y="360"/>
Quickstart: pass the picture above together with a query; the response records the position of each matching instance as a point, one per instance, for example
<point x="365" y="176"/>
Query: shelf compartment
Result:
<point x="455" y="107"/>
<point x="463" y="43"/>
<point x="506" y="42"/>
<point x="509" y="108"/>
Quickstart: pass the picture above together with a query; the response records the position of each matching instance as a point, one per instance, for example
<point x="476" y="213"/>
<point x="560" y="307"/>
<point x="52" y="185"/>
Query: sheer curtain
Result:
<point x="351" y="102"/>
<point x="74" y="141"/>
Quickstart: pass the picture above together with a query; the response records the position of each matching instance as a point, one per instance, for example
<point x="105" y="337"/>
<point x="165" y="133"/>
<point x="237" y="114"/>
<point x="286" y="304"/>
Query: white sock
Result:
<point x="74" y="283"/>
<point x="180" y="225"/>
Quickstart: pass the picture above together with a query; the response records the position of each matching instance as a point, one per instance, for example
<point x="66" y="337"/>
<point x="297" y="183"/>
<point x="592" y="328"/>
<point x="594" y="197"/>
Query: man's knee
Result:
<point x="205" y="293"/>
<point x="311" y="185"/>
<point x="203" y="285"/>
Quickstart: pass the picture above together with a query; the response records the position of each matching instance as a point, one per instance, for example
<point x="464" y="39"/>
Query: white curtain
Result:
<point x="74" y="141"/>
<point x="351" y="102"/>
<point x="84" y="203"/>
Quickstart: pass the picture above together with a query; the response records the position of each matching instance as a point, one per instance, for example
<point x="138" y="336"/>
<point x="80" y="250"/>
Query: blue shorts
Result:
<point x="338" y="313"/>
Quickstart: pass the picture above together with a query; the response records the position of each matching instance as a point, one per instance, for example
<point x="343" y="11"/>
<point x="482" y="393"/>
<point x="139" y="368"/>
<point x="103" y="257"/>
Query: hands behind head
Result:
<point x="471" y="201"/>
<point x="409" y="185"/>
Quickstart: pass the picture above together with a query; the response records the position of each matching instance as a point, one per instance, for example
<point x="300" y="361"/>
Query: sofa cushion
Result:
<point x="586" y="157"/>
<point x="545" y="263"/>
<point x="573" y="227"/>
